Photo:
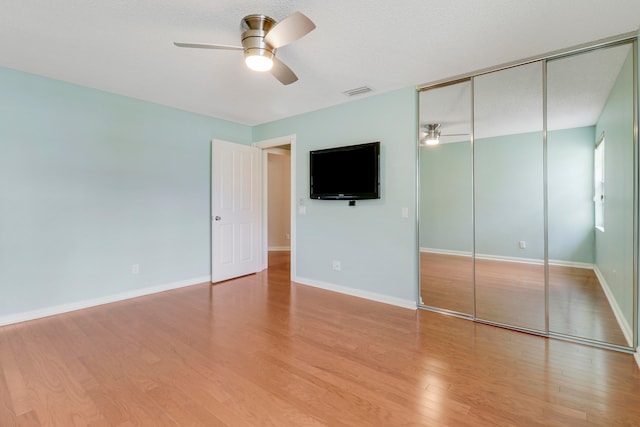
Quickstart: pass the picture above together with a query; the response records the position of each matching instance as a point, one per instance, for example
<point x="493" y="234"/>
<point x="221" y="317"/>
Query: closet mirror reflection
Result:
<point x="446" y="234"/>
<point x="528" y="203"/>
<point x="590" y="149"/>
<point x="509" y="199"/>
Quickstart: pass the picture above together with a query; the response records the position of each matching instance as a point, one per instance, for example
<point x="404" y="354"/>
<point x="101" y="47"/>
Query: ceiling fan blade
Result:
<point x="282" y="72"/>
<point x="290" y="29"/>
<point x="208" y="46"/>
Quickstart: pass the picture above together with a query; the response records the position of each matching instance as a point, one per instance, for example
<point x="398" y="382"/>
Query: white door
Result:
<point x="235" y="210"/>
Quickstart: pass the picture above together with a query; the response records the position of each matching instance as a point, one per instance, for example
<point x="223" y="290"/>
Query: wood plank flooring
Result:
<point x="261" y="350"/>
<point x="513" y="293"/>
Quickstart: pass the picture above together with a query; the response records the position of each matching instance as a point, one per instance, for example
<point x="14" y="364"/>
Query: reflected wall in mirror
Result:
<point x="509" y="197"/>
<point x="446" y="221"/>
<point x="590" y="149"/>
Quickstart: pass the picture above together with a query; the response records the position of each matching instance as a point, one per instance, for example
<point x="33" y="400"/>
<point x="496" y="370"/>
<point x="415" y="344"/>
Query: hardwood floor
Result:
<point x="261" y="350"/>
<point x="510" y="293"/>
<point x="513" y="293"/>
<point x="580" y="307"/>
<point x="446" y="281"/>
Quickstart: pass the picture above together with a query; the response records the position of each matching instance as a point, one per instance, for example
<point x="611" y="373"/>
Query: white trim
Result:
<point x="484" y="256"/>
<point x="574" y="264"/>
<point x="79" y="305"/>
<point x="445" y="252"/>
<point x="274" y="142"/>
<point x="373" y="296"/>
<point x="636" y="355"/>
<point x="534" y="261"/>
<point x="617" y="311"/>
<point x="509" y="259"/>
<point x="279" y="248"/>
<point x="278" y="151"/>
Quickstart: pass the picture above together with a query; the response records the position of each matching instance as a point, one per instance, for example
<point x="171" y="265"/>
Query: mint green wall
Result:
<point x="508" y="196"/>
<point x="570" y="195"/>
<point x="446" y="216"/>
<point x="375" y="245"/>
<point x="91" y="183"/>
<point x="614" y="246"/>
<point x="445" y="190"/>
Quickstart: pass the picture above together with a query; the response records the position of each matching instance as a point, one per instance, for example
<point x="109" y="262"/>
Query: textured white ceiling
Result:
<point x="578" y="86"/>
<point x="125" y="46"/>
<point x="510" y="101"/>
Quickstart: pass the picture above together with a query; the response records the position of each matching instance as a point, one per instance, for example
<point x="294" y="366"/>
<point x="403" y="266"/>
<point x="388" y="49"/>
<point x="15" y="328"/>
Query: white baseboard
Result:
<point x="79" y="305"/>
<point x="445" y="252"/>
<point x="507" y="258"/>
<point x="279" y="248"/>
<point x="574" y="264"/>
<point x="483" y="256"/>
<point x="637" y="356"/>
<point x="617" y="311"/>
<point x="373" y="296"/>
<point x="501" y="258"/>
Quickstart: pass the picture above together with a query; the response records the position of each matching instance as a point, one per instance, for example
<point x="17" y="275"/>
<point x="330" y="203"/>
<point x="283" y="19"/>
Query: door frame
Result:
<point x="264" y="146"/>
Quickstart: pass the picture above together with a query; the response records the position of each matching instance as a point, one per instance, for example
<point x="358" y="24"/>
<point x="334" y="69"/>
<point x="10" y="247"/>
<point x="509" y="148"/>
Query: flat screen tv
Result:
<point x="345" y="173"/>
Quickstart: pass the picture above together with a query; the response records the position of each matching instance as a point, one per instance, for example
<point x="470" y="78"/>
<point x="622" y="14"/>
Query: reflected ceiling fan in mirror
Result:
<point x="261" y="37"/>
<point x="431" y="134"/>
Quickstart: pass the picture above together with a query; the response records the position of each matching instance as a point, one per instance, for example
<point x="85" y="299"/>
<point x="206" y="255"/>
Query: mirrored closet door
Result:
<point x="528" y="196"/>
<point x="590" y="148"/>
<point x="446" y="234"/>
<point x="509" y="202"/>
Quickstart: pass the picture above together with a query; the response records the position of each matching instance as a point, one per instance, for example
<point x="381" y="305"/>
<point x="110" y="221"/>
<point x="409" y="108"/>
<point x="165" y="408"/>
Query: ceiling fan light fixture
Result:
<point x="258" y="55"/>
<point x="431" y="135"/>
<point x="257" y="62"/>
<point x="431" y="140"/>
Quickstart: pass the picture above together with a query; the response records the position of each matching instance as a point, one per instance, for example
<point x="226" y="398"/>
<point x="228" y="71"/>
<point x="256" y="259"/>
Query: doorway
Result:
<point x="278" y="195"/>
<point x="277" y="204"/>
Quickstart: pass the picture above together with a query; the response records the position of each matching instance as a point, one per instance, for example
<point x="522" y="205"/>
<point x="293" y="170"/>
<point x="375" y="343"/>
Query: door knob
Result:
<point x="217" y="218"/>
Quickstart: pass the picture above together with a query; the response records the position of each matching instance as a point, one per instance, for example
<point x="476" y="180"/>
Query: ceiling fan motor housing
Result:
<point x="261" y="36"/>
<point x="255" y="28"/>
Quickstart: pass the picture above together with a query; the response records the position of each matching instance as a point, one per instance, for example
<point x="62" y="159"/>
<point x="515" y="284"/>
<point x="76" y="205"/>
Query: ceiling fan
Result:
<point x="431" y="134"/>
<point x="261" y="37"/>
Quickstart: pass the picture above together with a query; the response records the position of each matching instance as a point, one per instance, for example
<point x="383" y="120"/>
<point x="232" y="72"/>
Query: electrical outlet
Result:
<point x="336" y="265"/>
<point x="522" y="244"/>
<point x="135" y="269"/>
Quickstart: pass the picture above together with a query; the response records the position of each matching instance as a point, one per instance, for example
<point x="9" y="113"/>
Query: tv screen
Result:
<point x="345" y="173"/>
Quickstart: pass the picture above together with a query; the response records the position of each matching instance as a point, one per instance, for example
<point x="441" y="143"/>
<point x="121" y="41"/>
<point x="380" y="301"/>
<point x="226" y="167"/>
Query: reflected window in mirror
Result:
<point x="599" y="189"/>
